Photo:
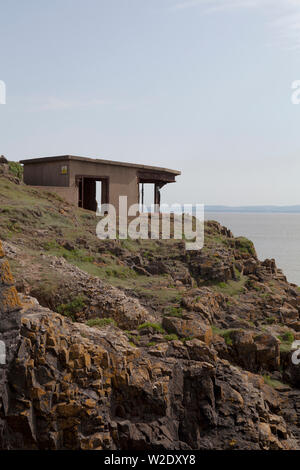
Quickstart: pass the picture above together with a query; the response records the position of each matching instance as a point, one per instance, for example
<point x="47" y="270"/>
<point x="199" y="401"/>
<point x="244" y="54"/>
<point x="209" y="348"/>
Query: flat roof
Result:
<point x="98" y="160"/>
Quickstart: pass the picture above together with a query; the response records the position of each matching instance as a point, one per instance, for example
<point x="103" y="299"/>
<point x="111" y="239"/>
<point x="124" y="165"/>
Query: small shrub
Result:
<point x="73" y="307"/>
<point x="286" y="337"/>
<point x="227" y="337"/>
<point x="245" y="246"/>
<point x="152" y="343"/>
<point x="16" y="169"/>
<point x="171" y="337"/>
<point x="223" y="285"/>
<point x="155" y="327"/>
<point x="226" y="334"/>
<point x="100" y="322"/>
<point x="51" y="245"/>
<point x="187" y="338"/>
<point x="132" y="338"/>
<point x="174" y="312"/>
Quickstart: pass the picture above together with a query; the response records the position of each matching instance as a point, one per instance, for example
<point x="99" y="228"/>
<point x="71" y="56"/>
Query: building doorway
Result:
<point x="149" y="194"/>
<point x="92" y="192"/>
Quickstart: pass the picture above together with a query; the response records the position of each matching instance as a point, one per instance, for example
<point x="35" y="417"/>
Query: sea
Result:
<point x="274" y="234"/>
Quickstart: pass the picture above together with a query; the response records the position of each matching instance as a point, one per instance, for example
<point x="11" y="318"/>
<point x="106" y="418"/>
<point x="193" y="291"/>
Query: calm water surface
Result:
<point x="274" y="236"/>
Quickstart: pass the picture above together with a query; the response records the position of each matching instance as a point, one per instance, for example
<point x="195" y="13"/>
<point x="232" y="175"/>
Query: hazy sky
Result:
<point x="203" y="86"/>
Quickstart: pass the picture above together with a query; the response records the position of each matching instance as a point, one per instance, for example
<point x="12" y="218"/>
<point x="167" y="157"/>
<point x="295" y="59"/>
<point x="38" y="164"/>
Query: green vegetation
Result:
<point x="100" y="322"/>
<point x="187" y="338"/>
<point x="287" y="337"/>
<point x="16" y="169"/>
<point x="172" y="311"/>
<point x="171" y="337"/>
<point x="73" y="307"/>
<point x="226" y="334"/>
<point x="154" y="326"/>
<point x="286" y="341"/>
<point x="272" y="382"/>
<point x="132" y="337"/>
<point x="151" y="343"/>
<point x="232" y="288"/>
<point x="216" y="330"/>
<point x="237" y="273"/>
<point x="245" y="246"/>
<point x="270" y="320"/>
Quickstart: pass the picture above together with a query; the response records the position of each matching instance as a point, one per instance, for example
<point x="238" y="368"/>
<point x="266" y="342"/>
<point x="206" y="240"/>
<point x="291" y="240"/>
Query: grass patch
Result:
<point x="245" y="246"/>
<point x="286" y="340"/>
<point x="287" y="337"/>
<point x="132" y="338"/>
<point x="186" y="338"/>
<point x="272" y="382"/>
<point x="270" y="320"/>
<point x="226" y="334"/>
<point x="232" y="288"/>
<point x="171" y="337"/>
<point x="172" y="311"/>
<point x="100" y="322"/>
<point x="154" y="326"/>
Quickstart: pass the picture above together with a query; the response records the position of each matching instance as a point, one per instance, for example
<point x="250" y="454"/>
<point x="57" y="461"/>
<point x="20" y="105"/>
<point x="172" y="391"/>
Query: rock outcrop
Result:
<point x="10" y="323"/>
<point x="115" y="344"/>
<point x="66" y="385"/>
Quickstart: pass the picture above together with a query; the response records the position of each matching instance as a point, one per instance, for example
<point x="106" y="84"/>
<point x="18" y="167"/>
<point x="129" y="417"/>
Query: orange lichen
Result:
<point x="9" y="299"/>
<point x="6" y="276"/>
<point x="1" y="250"/>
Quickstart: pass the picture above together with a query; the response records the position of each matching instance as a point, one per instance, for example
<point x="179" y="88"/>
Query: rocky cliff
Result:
<point x="67" y="385"/>
<point x="140" y="345"/>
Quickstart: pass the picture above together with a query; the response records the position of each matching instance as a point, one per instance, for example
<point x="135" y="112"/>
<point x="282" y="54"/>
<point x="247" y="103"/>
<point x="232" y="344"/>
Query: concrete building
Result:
<point x="76" y="178"/>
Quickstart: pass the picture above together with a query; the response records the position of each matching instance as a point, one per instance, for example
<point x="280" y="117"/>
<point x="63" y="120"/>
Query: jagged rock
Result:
<point x="100" y="393"/>
<point x="105" y="300"/>
<point x="77" y="387"/>
<point x="199" y="351"/>
<point x="254" y="352"/>
<point x="189" y="326"/>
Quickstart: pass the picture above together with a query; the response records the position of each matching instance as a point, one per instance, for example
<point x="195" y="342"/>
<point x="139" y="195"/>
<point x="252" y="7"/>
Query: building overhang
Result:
<point x="158" y="173"/>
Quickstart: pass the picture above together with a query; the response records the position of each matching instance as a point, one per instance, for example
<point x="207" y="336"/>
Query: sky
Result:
<point x="203" y="86"/>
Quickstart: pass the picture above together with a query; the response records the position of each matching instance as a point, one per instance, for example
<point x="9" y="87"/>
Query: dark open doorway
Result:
<point x="87" y="192"/>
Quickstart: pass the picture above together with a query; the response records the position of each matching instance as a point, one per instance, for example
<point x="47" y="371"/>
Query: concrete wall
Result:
<point x="122" y="181"/>
<point x="46" y="174"/>
<point x="69" y="194"/>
